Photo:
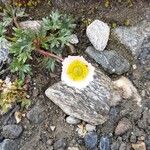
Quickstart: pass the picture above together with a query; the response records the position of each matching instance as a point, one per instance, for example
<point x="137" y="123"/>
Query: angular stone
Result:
<point x="12" y="131"/>
<point x="90" y="104"/>
<point x="98" y="34"/>
<point x="111" y="61"/>
<point x="133" y="37"/>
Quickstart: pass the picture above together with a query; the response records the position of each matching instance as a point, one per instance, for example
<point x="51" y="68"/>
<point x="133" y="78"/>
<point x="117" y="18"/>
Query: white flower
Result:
<point x="77" y="72"/>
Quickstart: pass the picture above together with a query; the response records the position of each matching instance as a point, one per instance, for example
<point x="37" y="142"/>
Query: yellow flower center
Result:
<point x="77" y="70"/>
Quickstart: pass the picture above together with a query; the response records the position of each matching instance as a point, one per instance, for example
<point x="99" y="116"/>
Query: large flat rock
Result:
<point x="90" y="104"/>
<point x="111" y="61"/>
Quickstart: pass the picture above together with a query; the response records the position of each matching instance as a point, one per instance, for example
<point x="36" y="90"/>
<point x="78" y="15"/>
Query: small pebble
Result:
<point x="52" y="128"/>
<point x="49" y="142"/>
<point x="134" y="66"/>
<point x="141" y="138"/>
<point x="36" y="114"/>
<point x="90" y="127"/>
<point x="133" y="138"/>
<point x="73" y="148"/>
<point x="8" y="145"/>
<point x="104" y="143"/>
<point x="123" y="126"/>
<point x="115" y="146"/>
<point x="73" y="121"/>
<point x="91" y="140"/>
<point x="74" y="39"/>
<point x="60" y="144"/>
<point x="139" y="146"/>
<point x="12" y="131"/>
<point x="123" y="146"/>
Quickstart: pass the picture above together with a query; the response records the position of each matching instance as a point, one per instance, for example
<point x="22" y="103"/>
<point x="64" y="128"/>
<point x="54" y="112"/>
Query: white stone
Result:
<point x="73" y="148"/>
<point x="52" y="128"/>
<point x="90" y="127"/>
<point x="74" y="39"/>
<point x="72" y="120"/>
<point x="98" y="34"/>
<point x="31" y="24"/>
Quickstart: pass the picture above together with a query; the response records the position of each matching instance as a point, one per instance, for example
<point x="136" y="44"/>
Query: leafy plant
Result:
<point x="49" y="41"/>
<point x="10" y="13"/>
<point x="11" y="93"/>
<point x="21" y="50"/>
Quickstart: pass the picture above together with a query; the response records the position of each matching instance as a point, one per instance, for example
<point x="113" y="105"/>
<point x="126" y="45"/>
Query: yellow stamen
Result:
<point x="77" y="70"/>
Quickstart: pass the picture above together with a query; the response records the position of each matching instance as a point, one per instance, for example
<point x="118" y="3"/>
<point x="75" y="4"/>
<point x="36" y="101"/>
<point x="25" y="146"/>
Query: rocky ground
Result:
<point x="113" y="113"/>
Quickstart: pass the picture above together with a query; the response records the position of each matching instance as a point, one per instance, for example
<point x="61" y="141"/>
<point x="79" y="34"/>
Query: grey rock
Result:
<point x="50" y="148"/>
<point x="104" y="143"/>
<point x="90" y="127"/>
<point x="123" y="146"/>
<point x="143" y="121"/>
<point x="90" y="104"/>
<point x="74" y="39"/>
<point x="60" y="144"/>
<point x="123" y="126"/>
<point x="36" y="114"/>
<point x="49" y="142"/>
<point x="133" y="37"/>
<point x="144" y="56"/>
<point x="12" y="131"/>
<point x="115" y="146"/>
<point x="111" y="61"/>
<point x="8" y="145"/>
<point x="114" y="113"/>
<point x="143" y="60"/>
<point x="72" y="120"/>
<point x="133" y="138"/>
<point x="98" y="34"/>
<point x="91" y="140"/>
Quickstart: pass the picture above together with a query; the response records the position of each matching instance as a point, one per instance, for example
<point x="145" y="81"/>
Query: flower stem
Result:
<point x="48" y="54"/>
<point x="15" y="22"/>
